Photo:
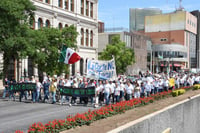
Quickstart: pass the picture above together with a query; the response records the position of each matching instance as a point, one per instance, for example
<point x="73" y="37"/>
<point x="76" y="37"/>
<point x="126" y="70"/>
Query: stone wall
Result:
<point x="182" y="117"/>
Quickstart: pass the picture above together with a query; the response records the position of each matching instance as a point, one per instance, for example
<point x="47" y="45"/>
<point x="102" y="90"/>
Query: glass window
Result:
<point x="60" y="3"/>
<point x="87" y="37"/>
<point x="47" y="23"/>
<point x="91" y="9"/>
<point x="87" y="8"/>
<point x="91" y="38"/>
<point x="40" y="23"/>
<point x="82" y="7"/>
<point x="72" y="5"/>
<point x="82" y="37"/>
<point x="66" y="4"/>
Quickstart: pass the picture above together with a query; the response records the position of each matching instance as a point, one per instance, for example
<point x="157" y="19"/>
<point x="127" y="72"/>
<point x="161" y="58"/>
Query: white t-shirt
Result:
<point x="129" y="89"/>
<point x="112" y="87"/>
<point x="38" y="86"/>
<point x="117" y="91"/>
<point x="122" y="87"/>
<point x="107" y="88"/>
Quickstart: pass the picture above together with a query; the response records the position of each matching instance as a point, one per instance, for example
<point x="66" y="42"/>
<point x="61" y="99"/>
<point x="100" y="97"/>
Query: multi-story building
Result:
<point x="174" y="39"/>
<point x="83" y="14"/>
<point x="137" y="17"/>
<point x="137" y="41"/>
<point x="197" y="14"/>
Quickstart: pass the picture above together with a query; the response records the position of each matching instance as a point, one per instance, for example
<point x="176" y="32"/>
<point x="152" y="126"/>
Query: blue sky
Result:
<point x="115" y="13"/>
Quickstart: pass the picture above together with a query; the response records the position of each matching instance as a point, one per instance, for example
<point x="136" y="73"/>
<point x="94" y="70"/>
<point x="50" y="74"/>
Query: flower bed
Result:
<point x="88" y="117"/>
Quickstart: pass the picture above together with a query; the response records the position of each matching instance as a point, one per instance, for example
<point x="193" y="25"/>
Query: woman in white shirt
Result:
<point x="137" y="90"/>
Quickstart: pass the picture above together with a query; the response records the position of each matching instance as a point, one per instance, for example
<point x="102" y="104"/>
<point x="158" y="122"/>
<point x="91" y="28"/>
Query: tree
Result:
<point x="14" y="29"/>
<point x="123" y="56"/>
<point x="47" y="43"/>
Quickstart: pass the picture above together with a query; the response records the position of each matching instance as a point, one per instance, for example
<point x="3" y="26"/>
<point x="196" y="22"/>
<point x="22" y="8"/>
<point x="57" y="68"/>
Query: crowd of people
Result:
<point x="106" y="91"/>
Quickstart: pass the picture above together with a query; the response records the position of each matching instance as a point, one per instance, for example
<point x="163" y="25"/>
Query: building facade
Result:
<point x="174" y="39"/>
<point x="83" y="14"/>
<point x="137" y="17"/>
<point x="197" y="14"/>
<point x="137" y="41"/>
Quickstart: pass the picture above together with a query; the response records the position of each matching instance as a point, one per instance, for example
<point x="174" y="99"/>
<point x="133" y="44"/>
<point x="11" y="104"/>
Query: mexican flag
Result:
<point x="68" y="55"/>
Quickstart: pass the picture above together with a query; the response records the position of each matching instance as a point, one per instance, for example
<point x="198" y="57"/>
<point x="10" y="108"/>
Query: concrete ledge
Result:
<point x="147" y="117"/>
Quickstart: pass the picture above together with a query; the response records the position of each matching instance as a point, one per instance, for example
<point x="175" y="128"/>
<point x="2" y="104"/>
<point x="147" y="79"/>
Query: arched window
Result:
<point x="47" y="23"/>
<point x="60" y="26"/>
<point x="81" y="66"/>
<point x="32" y="23"/>
<point x="91" y="38"/>
<point x="40" y="23"/>
<point x="66" y="25"/>
<point x="87" y="36"/>
<point x="82" y="36"/>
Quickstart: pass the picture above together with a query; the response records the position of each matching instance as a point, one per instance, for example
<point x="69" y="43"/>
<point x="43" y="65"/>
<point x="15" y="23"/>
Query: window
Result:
<point x="87" y="8"/>
<point x="32" y="23"/>
<point x="82" y="7"/>
<point x="82" y="36"/>
<point x="86" y="39"/>
<point x="81" y="66"/>
<point x="40" y="23"/>
<point x="47" y="23"/>
<point x="66" y="4"/>
<point x="66" y="25"/>
<point x="60" y="26"/>
<point x="72" y="5"/>
<point x="60" y="3"/>
<point x="91" y="10"/>
<point x="47" y="1"/>
<point x="91" y="38"/>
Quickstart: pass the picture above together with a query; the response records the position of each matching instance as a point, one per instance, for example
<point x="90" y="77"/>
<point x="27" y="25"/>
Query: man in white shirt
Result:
<point x="129" y="91"/>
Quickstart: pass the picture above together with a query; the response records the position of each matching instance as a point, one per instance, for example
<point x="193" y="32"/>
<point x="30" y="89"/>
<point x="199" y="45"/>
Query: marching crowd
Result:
<point x="106" y="91"/>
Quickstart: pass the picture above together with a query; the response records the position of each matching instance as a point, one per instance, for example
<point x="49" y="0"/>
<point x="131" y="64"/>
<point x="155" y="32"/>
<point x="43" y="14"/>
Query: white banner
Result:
<point x="101" y="69"/>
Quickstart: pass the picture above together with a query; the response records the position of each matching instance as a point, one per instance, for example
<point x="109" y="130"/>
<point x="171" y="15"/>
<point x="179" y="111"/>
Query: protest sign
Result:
<point x="101" y="69"/>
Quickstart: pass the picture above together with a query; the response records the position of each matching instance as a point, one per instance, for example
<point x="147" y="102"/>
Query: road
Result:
<point x="20" y="115"/>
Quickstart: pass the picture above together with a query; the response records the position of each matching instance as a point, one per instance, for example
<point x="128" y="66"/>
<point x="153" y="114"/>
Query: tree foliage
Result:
<point x="14" y="28"/>
<point x="123" y="56"/>
<point x="48" y="43"/>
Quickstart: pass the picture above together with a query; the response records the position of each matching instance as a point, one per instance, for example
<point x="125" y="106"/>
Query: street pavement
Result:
<point x="16" y="115"/>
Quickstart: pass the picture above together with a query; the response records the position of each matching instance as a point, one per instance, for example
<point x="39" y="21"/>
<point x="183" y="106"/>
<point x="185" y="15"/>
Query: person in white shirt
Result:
<point x="129" y="91"/>
<point x="112" y="84"/>
<point x="117" y="92"/>
<point x="122" y="88"/>
<point x="148" y="88"/>
<point x="137" y="90"/>
<point x="100" y="92"/>
<point x="66" y="84"/>
<point x="166" y="84"/>
<point x="107" y="91"/>
<point x="38" y="87"/>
